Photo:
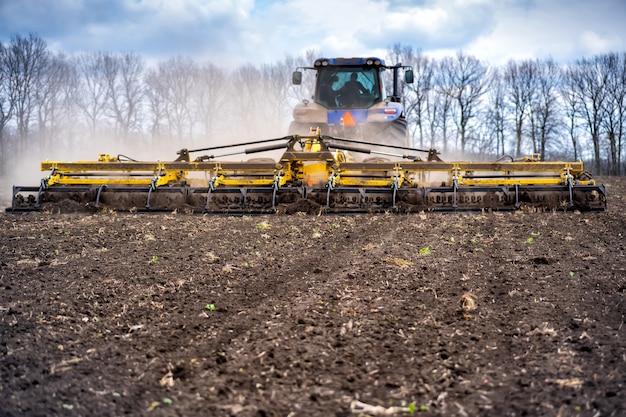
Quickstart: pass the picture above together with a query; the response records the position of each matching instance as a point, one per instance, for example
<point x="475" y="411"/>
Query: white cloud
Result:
<point x="552" y="28"/>
<point x="592" y="41"/>
<point x="235" y="32"/>
<point x="368" y="27"/>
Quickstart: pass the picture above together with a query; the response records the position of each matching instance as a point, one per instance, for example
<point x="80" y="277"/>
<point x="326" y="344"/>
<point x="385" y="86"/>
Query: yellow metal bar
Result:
<point x="356" y="182"/>
<point x="517" y="181"/>
<point x="247" y="183"/>
<point x="98" y="181"/>
<point x="85" y="166"/>
<point x="487" y="167"/>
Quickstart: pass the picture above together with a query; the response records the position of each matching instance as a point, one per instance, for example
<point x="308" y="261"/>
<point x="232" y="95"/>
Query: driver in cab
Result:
<point x="353" y="87"/>
<point x="351" y="91"/>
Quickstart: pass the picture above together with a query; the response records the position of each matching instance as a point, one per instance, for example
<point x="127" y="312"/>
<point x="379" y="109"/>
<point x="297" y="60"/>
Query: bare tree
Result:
<point x="50" y="96"/>
<point x="92" y="93"/>
<point x="123" y="74"/>
<point x="155" y="91"/>
<point x="210" y="96"/>
<point x="26" y="58"/>
<point x="424" y="68"/>
<point x="587" y="81"/>
<point x="520" y="83"/>
<point x="72" y="131"/>
<point x="170" y="91"/>
<point x="464" y="81"/>
<point x="570" y="109"/>
<point x="544" y="113"/>
<point x="417" y="94"/>
<point x="7" y="105"/>
<point x="275" y="81"/>
<point x="247" y="100"/>
<point x="439" y="110"/>
<point x="296" y="93"/>
<point x="178" y="74"/>
<point x="495" y="115"/>
<point x="614" y="108"/>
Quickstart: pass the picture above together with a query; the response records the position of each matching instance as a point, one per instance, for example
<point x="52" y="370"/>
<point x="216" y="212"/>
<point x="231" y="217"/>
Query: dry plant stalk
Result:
<point x="359" y="407"/>
<point x="575" y="383"/>
<point x="402" y="263"/>
<point x="168" y="379"/>
<point x="543" y="331"/>
<point x="468" y="301"/>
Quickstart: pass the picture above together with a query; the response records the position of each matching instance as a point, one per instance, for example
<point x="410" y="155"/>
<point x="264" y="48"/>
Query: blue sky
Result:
<point x="237" y="32"/>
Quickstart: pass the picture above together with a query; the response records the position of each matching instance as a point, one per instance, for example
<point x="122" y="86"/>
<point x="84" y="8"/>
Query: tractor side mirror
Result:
<point x="296" y="77"/>
<point x="408" y="76"/>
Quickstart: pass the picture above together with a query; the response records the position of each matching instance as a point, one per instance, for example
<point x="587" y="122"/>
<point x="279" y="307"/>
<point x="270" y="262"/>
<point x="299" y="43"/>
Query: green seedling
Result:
<point x="263" y="226"/>
<point x="532" y="239"/>
<point x="452" y="239"/>
<point x="411" y="408"/>
<point x="210" y="307"/>
<point x="425" y="251"/>
<point x="473" y="240"/>
<point x="167" y="401"/>
<point x="153" y="405"/>
<point x="154" y="259"/>
<point x="571" y="273"/>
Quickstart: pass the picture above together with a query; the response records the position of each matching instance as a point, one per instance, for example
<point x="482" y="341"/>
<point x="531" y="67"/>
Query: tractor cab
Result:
<point x="348" y="87"/>
<point x="350" y="100"/>
<point x="352" y="82"/>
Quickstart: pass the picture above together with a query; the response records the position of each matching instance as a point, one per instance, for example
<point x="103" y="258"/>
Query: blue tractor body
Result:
<point x="350" y="100"/>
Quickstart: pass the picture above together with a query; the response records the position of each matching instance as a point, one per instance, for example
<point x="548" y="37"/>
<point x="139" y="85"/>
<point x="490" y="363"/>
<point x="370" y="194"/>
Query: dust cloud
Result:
<point x="25" y="169"/>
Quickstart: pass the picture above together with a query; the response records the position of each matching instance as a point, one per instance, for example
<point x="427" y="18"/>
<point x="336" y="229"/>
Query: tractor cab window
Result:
<point x="348" y="87"/>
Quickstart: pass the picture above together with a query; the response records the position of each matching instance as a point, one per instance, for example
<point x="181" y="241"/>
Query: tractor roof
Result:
<point x="373" y="61"/>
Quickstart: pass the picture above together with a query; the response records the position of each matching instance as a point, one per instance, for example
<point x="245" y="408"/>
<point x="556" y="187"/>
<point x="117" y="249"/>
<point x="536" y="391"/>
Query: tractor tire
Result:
<point x="393" y="133"/>
<point x="584" y="176"/>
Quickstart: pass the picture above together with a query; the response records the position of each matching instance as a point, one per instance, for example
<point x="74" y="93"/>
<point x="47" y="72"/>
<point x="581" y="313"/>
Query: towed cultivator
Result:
<point x="316" y="173"/>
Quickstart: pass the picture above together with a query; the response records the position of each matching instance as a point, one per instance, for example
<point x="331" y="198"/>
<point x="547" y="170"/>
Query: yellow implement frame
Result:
<point x="321" y="168"/>
<point x="312" y="168"/>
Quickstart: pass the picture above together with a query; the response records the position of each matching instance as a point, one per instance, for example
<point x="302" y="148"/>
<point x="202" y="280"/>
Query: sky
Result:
<point x="230" y="33"/>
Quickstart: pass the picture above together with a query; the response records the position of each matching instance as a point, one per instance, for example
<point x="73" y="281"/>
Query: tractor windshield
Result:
<point x="348" y="87"/>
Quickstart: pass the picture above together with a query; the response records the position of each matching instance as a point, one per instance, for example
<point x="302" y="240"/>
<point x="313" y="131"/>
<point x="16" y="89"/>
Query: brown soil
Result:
<point x="181" y="315"/>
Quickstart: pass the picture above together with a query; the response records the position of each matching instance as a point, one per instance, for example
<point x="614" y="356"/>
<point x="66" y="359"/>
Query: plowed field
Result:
<point x="495" y="314"/>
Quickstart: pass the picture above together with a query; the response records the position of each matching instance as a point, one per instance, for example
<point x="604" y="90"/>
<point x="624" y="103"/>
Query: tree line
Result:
<point x="116" y="100"/>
